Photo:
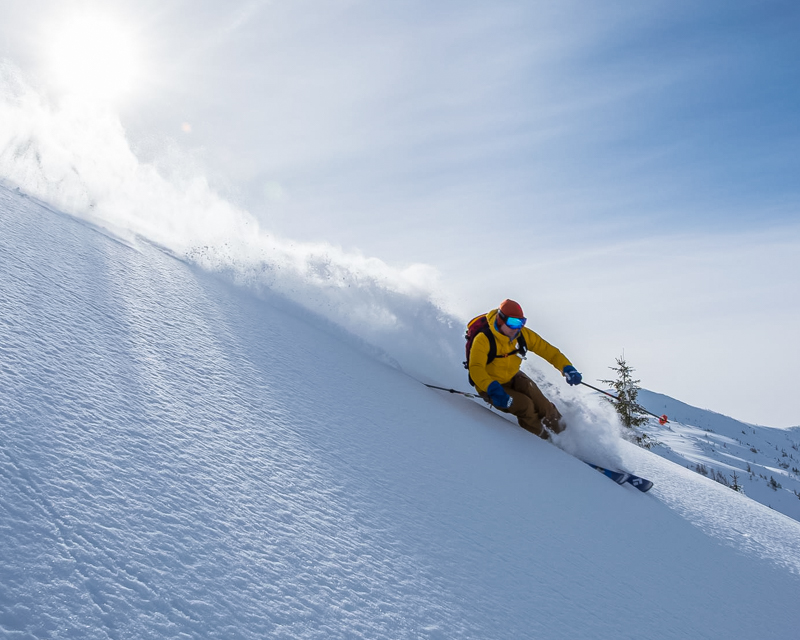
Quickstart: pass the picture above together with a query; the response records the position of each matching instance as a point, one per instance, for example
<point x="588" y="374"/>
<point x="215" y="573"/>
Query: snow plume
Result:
<point x="76" y="157"/>
<point x="594" y="433"/>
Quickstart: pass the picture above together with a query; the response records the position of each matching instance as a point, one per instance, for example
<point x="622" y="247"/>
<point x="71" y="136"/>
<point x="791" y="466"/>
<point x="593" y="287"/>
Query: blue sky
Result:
<point x="628" y="171"/>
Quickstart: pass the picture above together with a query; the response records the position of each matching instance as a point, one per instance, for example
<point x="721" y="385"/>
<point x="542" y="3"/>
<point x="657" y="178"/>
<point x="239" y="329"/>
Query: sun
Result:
<point x="93" y="56"/>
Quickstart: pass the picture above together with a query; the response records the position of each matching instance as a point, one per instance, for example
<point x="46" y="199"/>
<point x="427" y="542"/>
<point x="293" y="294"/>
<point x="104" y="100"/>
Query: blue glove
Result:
<point x="498" y="395"/>
<point x="572" y="375"/>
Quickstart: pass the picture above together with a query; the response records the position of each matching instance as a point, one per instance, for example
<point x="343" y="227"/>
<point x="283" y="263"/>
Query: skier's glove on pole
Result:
<point x="572" y="375"/>
<point x="498" y="395"/>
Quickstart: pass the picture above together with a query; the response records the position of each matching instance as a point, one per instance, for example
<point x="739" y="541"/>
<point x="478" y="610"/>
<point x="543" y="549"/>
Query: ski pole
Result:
<point x="463" y="393"/>
<point x="661" y="419"/>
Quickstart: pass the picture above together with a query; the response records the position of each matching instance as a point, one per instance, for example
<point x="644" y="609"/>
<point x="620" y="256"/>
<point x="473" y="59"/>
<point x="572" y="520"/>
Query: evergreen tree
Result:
<point x="627" y="389"/>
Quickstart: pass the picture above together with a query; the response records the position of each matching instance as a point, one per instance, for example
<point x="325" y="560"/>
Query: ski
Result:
<point x="641" y="484"/>
<point x="621" y="477"/>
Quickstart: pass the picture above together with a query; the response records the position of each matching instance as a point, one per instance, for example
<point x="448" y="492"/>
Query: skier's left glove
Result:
<point x="572" y="375"/>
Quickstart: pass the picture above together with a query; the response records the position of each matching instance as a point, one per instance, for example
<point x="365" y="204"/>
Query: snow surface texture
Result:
<point x="181" y="458"/>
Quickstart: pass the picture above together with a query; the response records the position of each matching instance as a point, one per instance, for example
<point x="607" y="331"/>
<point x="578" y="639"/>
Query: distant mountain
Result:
<point x="766" y="461"/>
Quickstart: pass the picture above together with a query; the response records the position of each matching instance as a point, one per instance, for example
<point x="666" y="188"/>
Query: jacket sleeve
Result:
<point x="477" y="362"/>
<point x="544" y="349"/>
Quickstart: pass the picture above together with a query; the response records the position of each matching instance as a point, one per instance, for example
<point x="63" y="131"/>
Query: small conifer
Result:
<point x="627" y="389"/>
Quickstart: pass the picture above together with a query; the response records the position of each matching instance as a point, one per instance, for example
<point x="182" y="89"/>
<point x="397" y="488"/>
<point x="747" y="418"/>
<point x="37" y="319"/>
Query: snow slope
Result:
<point x="766" y="461"/>
<point x="182" y="458"/>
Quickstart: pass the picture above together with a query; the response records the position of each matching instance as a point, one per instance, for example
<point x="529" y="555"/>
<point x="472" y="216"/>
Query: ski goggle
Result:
<point x="513" y="323"/>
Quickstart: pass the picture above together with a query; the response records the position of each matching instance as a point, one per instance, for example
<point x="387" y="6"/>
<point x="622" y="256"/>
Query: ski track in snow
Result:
<point x="182" y="459"/>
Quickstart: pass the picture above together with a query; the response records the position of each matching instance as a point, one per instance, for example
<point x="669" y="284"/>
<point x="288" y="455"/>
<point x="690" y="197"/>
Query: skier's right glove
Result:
<point x="572" y="375"/>
<point x="498" y="395"/>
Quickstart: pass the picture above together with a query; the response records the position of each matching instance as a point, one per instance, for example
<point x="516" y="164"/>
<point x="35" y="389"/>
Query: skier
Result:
<point x="496" y="345"/>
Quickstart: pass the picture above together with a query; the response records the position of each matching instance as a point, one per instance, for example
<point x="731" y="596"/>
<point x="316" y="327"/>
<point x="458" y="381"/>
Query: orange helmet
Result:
<point x="511" y="309"/>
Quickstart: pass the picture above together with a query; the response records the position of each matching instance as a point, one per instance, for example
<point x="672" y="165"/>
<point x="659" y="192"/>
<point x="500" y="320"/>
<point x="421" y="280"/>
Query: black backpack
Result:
<point x="480" y="324"/>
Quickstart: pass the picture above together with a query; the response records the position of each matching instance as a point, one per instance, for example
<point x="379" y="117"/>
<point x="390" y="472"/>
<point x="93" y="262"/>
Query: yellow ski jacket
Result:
<point x="503" y="368"/>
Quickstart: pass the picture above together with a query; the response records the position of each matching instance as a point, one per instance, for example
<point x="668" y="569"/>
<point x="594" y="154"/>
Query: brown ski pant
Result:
<point x="530" y="406"/>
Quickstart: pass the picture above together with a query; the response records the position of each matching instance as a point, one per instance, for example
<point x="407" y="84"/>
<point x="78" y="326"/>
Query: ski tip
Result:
<point x="641" y="484"/>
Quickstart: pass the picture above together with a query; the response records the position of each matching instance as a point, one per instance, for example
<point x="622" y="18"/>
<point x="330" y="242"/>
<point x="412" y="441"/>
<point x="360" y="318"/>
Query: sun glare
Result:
<point x="94" y="57"/>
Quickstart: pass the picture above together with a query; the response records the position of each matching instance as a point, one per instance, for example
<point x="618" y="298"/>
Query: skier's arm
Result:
<point x="545" y="350"/>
